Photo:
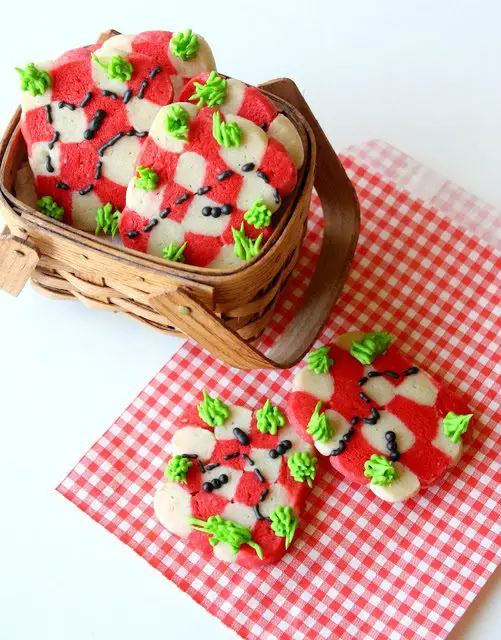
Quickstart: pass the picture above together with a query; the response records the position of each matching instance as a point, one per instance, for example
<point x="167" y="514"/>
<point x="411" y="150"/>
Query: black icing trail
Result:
<point x="86" y="99"/>
<point x="182" y="198"/>
<point x="127" y="96"/>
<point x="276" y="196"/>
<point x="68" y="105"/>
<point x="109" y="94"/>
<point x="53" y="140"/>
<point x="258" y="514"/>
<point x="99" y="166"/>
<point x="62" y="185"/>
<point x="142" y="89"/>
<point x="86" y="189"/>
<point x="94" y="124"/>
<point x="132" y="234"/>
<point x="164" y="213"/>
<point x="263" y="176"/>
<point x="224" y="175"/>
<point x="154" y="72"/>
<point x="110" y="143"/>
<point x="249" y="460"/>
<point x="374" y="417"/>
<point x="152" y="223"/>
<point x="48" y="113"/>
<point x="229" y="456"/>
<point x="259" y="475"/>
<point x="48" y="165"/>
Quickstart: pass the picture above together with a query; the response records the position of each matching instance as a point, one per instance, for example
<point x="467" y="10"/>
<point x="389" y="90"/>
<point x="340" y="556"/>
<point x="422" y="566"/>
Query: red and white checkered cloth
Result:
<point x="359" y="568"/>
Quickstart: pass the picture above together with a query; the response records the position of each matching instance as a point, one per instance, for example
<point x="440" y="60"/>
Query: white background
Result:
<point x="424" y="76"/>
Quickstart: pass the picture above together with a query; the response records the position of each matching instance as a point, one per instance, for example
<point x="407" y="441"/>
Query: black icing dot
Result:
<point x="206" y="211"/>
<point x="207" y="486"/>
<point x="287" y="444"/>
<point x="281" y="449"/>
<point x="226" y="209"/>
<point x="395" y="456"/>
<point x="216" y="212"/>
<point x="223" y="478"/>
<point x="390" y="435"/>
<point x="216" y="483"/>
<point x="273" y="453"/>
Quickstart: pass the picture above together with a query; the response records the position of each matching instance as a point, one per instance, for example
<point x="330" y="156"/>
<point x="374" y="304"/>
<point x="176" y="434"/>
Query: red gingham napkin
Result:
<point x="359" y="568"/>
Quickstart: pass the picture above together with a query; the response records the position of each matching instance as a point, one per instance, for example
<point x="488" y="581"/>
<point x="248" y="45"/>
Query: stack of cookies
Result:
<point x="140" y="137"/>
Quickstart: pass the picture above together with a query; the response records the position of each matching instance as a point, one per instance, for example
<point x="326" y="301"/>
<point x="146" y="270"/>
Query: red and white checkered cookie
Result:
<point x="197" y="174"/>
<point x="249" y="102"/>
<point x="363" y="408"/>
<point x="155" y="44"/>
<point x="82" y="171"/>
<point x="256" y="483"/>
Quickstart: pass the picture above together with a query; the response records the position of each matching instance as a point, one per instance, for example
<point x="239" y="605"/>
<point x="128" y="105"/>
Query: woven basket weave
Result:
<point x="224" y="310"/>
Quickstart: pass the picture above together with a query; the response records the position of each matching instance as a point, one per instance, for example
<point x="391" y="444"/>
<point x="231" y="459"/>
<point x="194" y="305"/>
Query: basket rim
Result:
<point x="145" y="260"/>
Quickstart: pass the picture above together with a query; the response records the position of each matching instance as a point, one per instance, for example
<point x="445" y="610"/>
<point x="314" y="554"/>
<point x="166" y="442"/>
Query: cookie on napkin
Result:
<point x="380" y="418"/>
<point x="206" y="188"/>
<point x="235" y="482"/>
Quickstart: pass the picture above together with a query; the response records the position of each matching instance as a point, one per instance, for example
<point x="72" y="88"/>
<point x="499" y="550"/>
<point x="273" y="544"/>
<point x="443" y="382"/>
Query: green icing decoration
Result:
<point x="269" y="418"/>
<point x="34" y="80"/>
<point x="147" y="179"/>
<point x="284" y="523"/>
<point x="372" y="344"/>
<point x="223" y="530"/>
<point x="171" y="252"/>
<point x="302" y="466"/>
<point x="117" y="68"/>
<point x="319" y="361"/>
<point x="213" y="411"/>
<point x="184" y="45"/>
<point x="455" y="425"/>
<point x="177" y="468"/>
<point x="107" y="220"/>
<point x="319" y="426"/>
<point x="49" y="206"/>
<point x="381" y="470"/>
<point x="211" y="93"/>
<point x="245" y="247"/>
<point x="227" y="134"/>
<point x="258" y="215"/>
<point x="177" y="122"/>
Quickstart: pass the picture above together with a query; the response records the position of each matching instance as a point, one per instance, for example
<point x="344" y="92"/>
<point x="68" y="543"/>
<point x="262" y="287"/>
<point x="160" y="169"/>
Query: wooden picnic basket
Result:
<point x="223" y="310"/>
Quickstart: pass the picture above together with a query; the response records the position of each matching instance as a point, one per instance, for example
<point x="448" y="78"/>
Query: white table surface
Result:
<point x="421" y="75"/>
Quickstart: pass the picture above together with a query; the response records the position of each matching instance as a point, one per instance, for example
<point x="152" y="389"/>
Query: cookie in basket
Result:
<point x="380" y="418"/>
<point x="84" y="119"/>
<point x="236" y="481"/>
<point x="183" y="55"/>
<point x="207" y="188"/>
<point x="247" y="102"/>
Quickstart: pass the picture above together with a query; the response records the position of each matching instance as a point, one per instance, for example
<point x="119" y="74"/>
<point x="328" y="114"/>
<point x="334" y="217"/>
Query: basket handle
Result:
<point x="341" y="226"/>
<point x="18" y="259"/>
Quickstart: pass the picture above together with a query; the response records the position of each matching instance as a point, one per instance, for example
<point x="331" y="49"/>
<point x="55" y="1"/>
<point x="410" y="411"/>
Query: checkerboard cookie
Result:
<point x="380" y="419"/>
<point x="86" y="114"/>
<point x="235" y="482"/>
<point x="207" y="186"/>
